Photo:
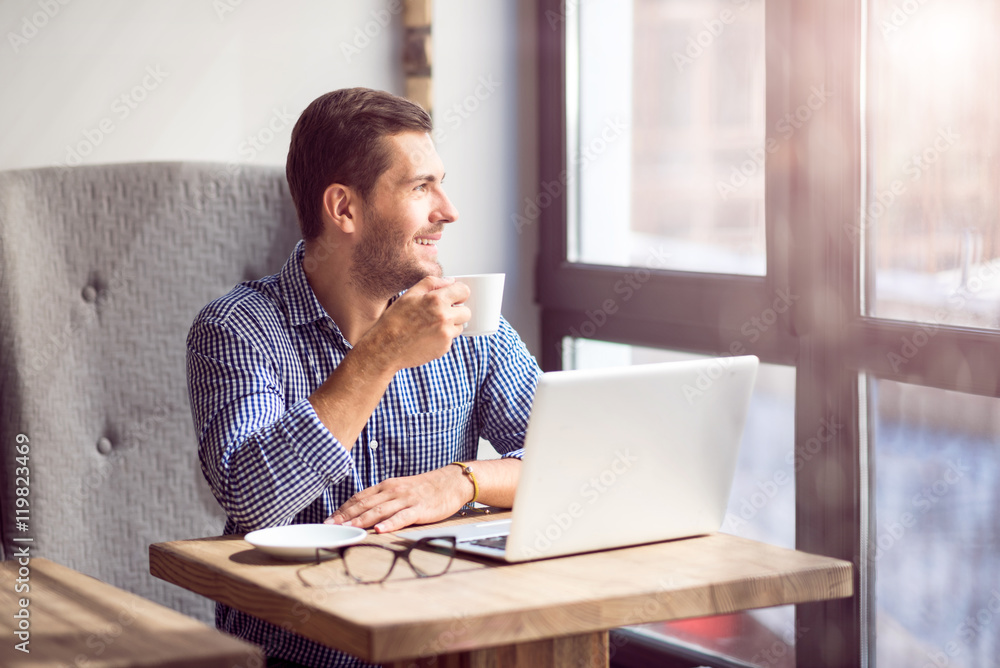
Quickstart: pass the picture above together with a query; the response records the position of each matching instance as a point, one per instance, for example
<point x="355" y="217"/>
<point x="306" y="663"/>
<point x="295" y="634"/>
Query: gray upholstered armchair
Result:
<point x="102" y="269"/>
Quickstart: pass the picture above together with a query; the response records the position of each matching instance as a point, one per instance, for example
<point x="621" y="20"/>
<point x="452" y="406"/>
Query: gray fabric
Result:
<point x="102" y="269"/>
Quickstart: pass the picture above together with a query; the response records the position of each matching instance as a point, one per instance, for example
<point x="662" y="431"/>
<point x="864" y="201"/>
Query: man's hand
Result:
<point x="400" y="502"/>
<point x="420" y="326"/>
<point x="429" y="497"/>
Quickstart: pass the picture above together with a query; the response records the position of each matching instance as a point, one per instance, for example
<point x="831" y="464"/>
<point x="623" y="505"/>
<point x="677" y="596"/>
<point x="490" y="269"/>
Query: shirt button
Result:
<point x="373" y="444"/>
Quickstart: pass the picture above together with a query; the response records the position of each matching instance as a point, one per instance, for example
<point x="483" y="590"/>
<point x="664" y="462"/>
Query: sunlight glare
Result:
<point x="942" y="39"/>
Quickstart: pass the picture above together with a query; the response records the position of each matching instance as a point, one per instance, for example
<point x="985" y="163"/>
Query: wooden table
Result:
<point x="72" y="619"/>
<point x="481" y="613"/>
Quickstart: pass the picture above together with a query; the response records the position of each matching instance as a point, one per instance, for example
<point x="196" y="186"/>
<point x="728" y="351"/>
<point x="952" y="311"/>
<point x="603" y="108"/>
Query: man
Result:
<point x="341" y="389"/>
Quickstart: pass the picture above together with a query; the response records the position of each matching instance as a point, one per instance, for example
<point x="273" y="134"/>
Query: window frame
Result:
<point x="835" y="349"/>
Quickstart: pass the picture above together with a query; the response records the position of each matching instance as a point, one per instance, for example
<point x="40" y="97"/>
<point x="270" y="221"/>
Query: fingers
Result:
<point x="353" y="510"/>
<point x="461" y="315"/>
<point x="403" y="518"/>
<point x="378" y="507"/>
<point x="399" y="502"/>
<point x="422" y="324"/>
<point x="450" y="291"/>
<point x="383" y="517"/>
<point x="453" y="297"/>
<point x="456" y="293"/>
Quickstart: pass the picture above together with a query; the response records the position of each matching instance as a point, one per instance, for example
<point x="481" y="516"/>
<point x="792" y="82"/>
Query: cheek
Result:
<point x="414" y="218"/>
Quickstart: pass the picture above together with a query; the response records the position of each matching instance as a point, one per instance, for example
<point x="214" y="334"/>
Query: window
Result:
<point x="876" y="297"/>
<point x="934" y="206"/>
<point x="670" y="135"/>
<point x="936" y="495"/>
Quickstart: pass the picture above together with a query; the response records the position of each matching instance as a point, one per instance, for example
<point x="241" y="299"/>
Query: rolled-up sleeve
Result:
<point x="265" y="459"/>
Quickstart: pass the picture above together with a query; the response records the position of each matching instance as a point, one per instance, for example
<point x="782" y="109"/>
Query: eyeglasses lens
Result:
<point x="368" y="563"/>
<point x="432" y="557"/>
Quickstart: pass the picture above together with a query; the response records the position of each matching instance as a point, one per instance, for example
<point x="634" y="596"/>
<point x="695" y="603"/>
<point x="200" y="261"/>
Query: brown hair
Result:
<point x="339" y="138"/>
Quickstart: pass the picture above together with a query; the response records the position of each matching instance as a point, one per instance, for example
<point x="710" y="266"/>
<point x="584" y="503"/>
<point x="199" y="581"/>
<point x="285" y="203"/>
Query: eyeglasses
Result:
<point x="372" y="564"/>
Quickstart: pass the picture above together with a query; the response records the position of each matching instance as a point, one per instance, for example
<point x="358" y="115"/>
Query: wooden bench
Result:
<point x="56" y="616"/>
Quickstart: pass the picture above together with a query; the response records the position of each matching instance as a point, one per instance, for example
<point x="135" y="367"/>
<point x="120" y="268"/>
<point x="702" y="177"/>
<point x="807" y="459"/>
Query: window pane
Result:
<point x="932" y="215"/>
<point x="761" y="504"/>
<point x="667" y="137"/>
<point x="937" y="537"/>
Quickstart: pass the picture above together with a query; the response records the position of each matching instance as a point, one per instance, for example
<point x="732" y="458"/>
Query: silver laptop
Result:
<point x="621" y="456"/>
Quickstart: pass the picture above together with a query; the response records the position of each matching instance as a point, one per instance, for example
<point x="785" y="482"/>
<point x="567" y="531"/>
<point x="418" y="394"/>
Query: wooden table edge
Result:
<point x="164" y="562"/>
<point x="385" y="650"/>
<point x="373" y="642"/>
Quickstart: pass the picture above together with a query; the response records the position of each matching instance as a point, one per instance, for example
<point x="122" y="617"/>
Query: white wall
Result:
<point x="99" y="81"/>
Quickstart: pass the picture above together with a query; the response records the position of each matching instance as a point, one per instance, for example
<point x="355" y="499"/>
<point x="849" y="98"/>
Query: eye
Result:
<point x="422" y="187"/>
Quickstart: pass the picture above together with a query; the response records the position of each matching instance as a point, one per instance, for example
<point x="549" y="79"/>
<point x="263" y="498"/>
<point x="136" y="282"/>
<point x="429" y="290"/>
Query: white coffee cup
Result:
<point x="484" y="302"/>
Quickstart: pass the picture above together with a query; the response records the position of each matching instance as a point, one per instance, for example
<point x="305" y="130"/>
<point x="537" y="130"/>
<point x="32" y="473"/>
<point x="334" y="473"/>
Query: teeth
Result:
<point x="425" y="242"/>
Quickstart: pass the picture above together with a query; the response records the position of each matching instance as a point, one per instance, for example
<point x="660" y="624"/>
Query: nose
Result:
<point x="445" y="211"/>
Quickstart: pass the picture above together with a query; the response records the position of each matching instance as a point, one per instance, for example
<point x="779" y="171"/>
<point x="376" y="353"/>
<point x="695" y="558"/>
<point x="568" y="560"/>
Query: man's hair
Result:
<point x="340" y="138"/>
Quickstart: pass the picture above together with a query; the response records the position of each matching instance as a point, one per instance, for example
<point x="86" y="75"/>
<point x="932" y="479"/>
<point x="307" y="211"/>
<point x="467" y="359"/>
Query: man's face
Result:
<point x="403" y="219"/>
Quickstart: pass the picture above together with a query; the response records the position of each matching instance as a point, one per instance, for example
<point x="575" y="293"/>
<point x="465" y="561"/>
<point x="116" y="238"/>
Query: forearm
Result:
<point x="496" y="478"/>
<point x="345" y="401"/>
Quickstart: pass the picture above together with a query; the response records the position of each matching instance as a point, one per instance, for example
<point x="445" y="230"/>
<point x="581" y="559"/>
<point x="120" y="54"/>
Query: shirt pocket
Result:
<point x="437" y="438"/>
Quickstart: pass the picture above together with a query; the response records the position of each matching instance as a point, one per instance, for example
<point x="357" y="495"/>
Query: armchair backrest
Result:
<point x="102" y="270"/>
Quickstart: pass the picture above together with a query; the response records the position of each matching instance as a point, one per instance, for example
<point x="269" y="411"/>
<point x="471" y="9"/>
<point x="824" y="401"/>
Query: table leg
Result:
<point x="588" y="650"/>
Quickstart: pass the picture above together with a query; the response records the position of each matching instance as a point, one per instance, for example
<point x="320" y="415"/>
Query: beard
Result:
<point x="381" y="267"/>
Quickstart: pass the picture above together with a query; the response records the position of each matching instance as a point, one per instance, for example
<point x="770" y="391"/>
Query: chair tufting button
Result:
<point x="89" y="294"/>
<point x="104" y="445"/>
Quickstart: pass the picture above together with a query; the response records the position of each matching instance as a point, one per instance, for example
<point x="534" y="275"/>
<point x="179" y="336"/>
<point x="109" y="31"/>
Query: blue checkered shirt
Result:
<point x="254" y="357"/>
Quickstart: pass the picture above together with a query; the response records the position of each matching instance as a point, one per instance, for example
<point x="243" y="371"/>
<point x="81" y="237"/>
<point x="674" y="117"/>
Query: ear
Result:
<point x="340" y="204"/>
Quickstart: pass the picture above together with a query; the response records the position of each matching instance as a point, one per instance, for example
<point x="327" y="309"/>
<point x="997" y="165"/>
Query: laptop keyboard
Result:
<point x="498" y="542"/>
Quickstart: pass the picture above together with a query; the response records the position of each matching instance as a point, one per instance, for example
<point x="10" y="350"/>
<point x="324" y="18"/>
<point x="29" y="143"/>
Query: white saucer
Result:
<point x="300" y="541"/>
